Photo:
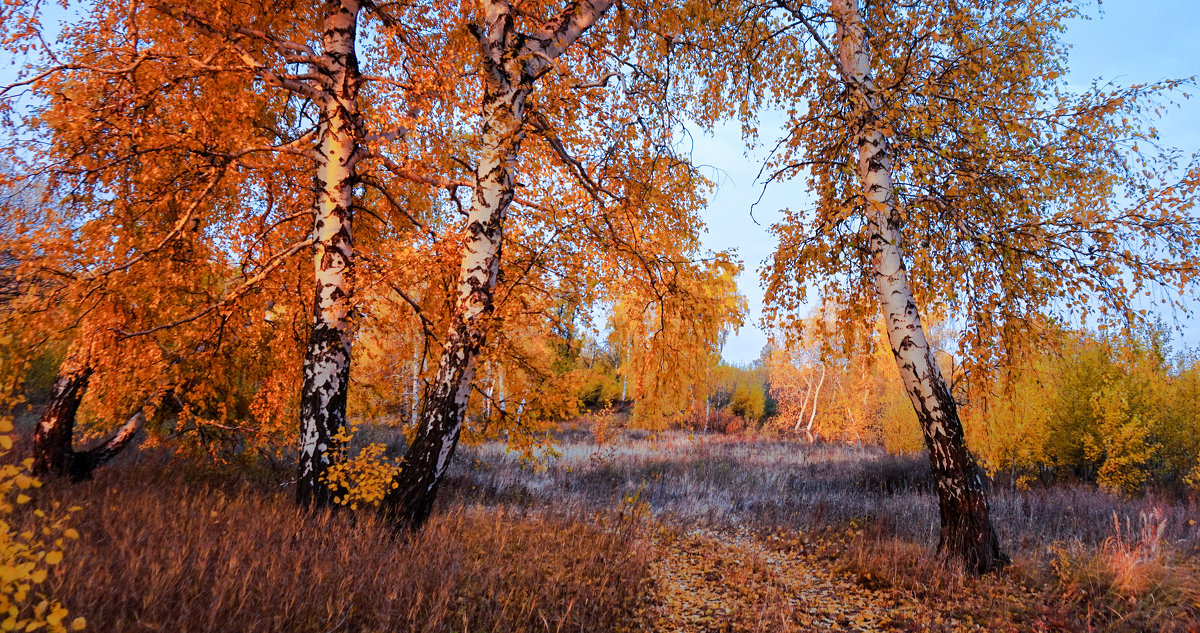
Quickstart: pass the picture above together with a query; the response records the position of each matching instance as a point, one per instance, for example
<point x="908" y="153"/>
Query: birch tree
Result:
<point x="953" y="173"/>
<point x="671" y="341"/>
<point x="220" y="49"/>
<point x="327" y="358"/>
<point x="511" y="63"/>
<point x="962" y="501"/>
<point x="332" y="83"/>
<point x="147" y="238"/>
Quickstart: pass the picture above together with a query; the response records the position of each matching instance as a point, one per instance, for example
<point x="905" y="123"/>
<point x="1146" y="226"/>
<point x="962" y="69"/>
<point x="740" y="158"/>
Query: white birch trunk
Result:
<point x="511" y="64"/>
<point x="628" y="367"/>
<point x="816" y="396"/>
<point x="491" y="387"/>
<point x="803" y="406"/>
<point x="327" y="358"/>
<point x="966" y="530"/>
<point x="414" y="401"/>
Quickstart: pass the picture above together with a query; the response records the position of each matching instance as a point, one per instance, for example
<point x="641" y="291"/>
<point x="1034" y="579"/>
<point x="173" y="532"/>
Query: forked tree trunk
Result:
<point x="53" y="451"/>
<point x="512" y="62"/>
<point x="966" y="529"/>
<point x="327" y="357"/>
<point x="803" y="406"/>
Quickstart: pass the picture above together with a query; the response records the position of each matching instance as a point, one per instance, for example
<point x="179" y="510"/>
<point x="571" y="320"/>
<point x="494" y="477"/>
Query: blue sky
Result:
<point x="1126" y="41"/>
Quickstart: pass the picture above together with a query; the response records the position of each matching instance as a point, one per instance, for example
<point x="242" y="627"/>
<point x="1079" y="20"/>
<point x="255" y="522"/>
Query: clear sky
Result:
<point x="1126" y="41"/>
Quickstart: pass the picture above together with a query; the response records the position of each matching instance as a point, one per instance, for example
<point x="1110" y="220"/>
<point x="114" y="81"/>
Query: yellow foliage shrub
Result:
<point x="26" y="557"/>
<point x="364" y="478"/>
<point x="1122" y="447"/>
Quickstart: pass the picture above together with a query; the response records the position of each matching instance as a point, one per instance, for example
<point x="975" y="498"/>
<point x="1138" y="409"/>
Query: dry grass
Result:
<point x="1083" y="559"/>
<point x="719" y="481"/>
<point x="577" y="543"/>
<point x="183" y="550"/>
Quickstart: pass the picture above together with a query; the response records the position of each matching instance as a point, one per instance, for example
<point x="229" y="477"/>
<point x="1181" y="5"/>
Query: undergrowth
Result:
<point x="579" y="542"/>
<point x="165" y="549"/>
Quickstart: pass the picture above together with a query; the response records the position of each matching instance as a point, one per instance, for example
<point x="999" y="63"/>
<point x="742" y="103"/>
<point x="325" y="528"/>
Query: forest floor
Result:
<point x="712" y="580"/>
<point x="740" y="581"/>
<point x="763" y="534"/>
<point x="670" y="533"/>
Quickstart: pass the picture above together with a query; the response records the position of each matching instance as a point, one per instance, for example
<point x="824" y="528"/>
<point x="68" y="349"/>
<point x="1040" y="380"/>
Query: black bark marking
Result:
<point x="327" y="356"/>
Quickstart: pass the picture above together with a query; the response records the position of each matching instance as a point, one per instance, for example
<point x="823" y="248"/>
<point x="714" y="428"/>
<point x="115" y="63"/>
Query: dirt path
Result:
<point x="739" y="581"/>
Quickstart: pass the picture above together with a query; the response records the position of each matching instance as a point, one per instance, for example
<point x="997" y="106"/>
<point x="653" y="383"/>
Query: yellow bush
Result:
<point x="27" y="556"/>
<point x="364" y="478"/>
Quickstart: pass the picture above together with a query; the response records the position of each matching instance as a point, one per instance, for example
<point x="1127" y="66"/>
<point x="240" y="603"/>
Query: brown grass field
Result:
<point x="640" y="533"/>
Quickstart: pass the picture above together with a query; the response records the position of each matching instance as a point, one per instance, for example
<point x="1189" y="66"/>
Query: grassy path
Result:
<point x="710" y="581"/>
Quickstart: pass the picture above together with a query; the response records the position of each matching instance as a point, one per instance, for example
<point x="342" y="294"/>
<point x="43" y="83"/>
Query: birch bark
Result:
<point x="327" y="357"/>
<point x="511" y="64"/>
<point x="966" y="529"/>
<point x="803" y="405"/>
<point x="53" y="451"/>
<point x="812" y="417"/>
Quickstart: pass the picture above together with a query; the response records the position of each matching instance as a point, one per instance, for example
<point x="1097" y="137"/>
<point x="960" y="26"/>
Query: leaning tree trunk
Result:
<point x="327" y="357"/>
<point x="966" y="529"/>
<point x="444" y="409"/>
<point x="53" y="454"/>
<point x="511" y="63"/>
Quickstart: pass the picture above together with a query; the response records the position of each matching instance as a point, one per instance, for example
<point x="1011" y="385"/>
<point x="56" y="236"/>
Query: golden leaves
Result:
<point x="1017" y="197"/>
<point x="707" y="580"/>
<point x="26" y="557"/>
<point x="670" y="341"/>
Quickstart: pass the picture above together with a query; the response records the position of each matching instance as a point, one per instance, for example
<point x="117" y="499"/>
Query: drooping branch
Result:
<point x="273" y="262"/>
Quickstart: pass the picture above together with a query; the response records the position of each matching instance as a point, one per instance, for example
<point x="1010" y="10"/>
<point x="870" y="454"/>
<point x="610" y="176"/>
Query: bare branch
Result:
<point x="145" y="55"/>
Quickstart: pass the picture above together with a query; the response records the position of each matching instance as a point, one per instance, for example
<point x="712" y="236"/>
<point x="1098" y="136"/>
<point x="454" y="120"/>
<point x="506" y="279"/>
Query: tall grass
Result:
<point x="170" y="544"/>
<point x="181" y="549"/>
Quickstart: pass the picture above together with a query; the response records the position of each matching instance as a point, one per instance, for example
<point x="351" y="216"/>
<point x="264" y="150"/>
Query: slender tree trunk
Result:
<point x="966" y="529"/>
<point x="803" y="406"/>
<point x="511" y="64"/>
<point x="414" y="402"/>
<point x="445" y="404"/>
<point x="491" y="386"/>
<point x="501" y="396"/>
<point x="812" y="417"/>
<point x="327" y="358"/>
<point x="53" y="452"/>
<point x="628" y="368"/>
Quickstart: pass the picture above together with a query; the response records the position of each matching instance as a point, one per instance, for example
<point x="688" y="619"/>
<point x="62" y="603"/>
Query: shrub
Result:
<point x="749" y="402"/>
<point x="164" y="551"/>
<point x="31" y="544"/>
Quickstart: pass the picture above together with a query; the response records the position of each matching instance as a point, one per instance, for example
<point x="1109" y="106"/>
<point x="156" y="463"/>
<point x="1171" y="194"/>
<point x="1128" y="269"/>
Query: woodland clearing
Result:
<point x="667" y="532"/>
<point x="297" y="252"/>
